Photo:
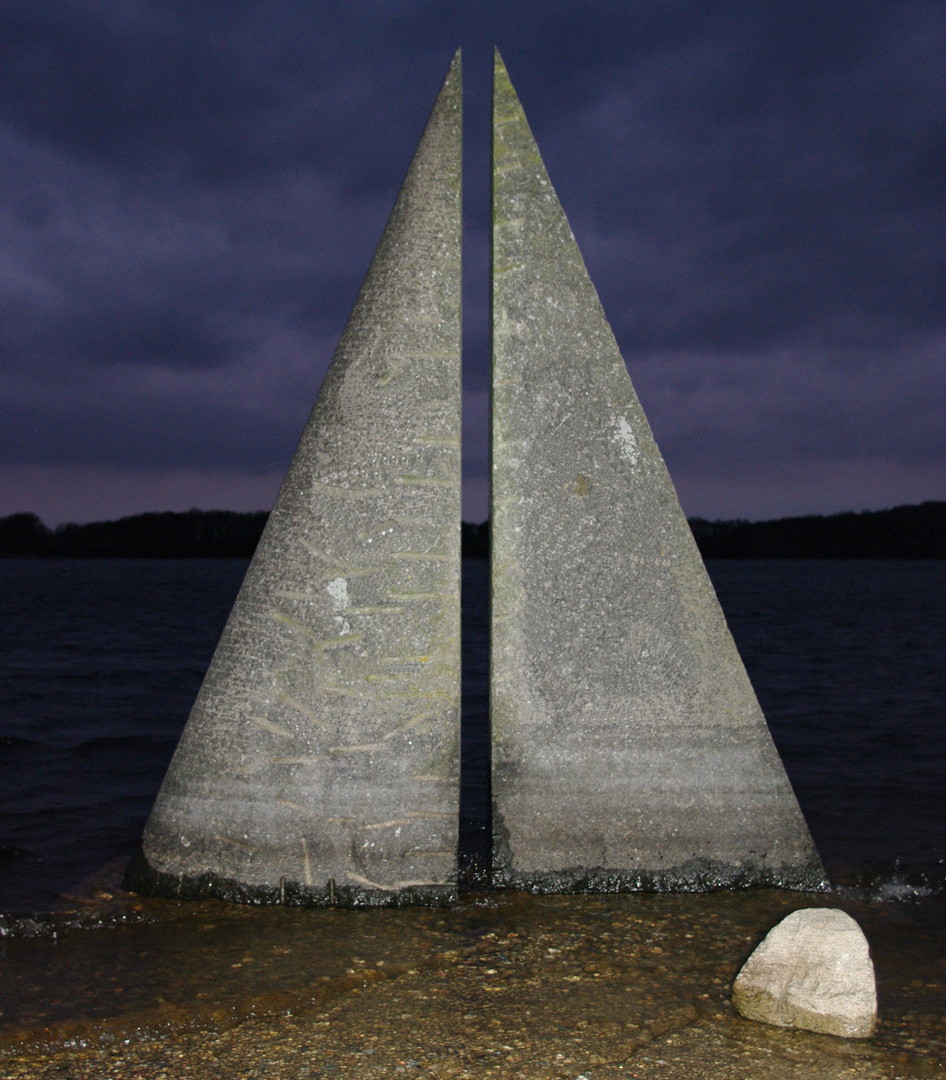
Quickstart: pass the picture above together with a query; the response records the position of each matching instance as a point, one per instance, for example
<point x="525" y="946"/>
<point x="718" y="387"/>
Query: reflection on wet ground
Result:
<point x="532" y="986"/>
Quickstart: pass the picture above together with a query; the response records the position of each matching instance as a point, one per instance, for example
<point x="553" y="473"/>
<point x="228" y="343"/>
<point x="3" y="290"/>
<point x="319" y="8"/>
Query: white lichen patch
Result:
<point x="626" y="440"/>
<point x="338" y="590"/>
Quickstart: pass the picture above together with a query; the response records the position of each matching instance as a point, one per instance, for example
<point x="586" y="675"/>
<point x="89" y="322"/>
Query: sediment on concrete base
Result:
<point x="698" y="876"/>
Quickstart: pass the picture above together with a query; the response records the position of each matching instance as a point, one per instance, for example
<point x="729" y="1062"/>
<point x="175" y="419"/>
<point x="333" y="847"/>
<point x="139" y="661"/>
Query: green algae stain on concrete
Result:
<point x="320" y="761"/>
<point x="629" y="749"/>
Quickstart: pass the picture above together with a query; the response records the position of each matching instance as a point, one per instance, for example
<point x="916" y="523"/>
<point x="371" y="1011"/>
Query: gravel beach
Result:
<point x="503" y="984"/>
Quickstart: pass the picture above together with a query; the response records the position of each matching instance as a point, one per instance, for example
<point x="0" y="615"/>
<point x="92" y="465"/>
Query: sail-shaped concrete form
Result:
<point x="320" y="762"/>
<point x="629" y="750"/>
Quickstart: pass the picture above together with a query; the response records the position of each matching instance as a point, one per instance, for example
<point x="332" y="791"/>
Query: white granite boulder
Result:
<point x="813" y="971"/>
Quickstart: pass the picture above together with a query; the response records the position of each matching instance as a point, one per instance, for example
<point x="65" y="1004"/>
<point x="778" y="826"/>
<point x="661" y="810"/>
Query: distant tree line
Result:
<point x="200" y="534"/>
<point x="906" y="532"/>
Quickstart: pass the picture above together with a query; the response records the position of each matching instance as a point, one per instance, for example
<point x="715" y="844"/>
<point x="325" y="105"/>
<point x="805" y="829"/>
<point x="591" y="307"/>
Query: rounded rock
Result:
<point x="812" y="971"/>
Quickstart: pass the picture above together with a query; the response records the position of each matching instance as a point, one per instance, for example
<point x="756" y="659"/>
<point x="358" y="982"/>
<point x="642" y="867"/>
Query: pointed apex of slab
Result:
<point x="513" y="143"/>
<point x="447" y="109"/>
<point x="629" y="750"/>
<point x="506" y="104"/>
<point x="453" y="81"/>
<point x="320" y="763"/>
<point x="500" y="74"/>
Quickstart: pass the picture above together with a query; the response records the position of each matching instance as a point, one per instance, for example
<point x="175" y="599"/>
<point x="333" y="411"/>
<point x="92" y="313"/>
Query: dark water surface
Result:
<point x="848" y="659"/>
<point x="100" y="661"/>
<point x="99" y="665"/>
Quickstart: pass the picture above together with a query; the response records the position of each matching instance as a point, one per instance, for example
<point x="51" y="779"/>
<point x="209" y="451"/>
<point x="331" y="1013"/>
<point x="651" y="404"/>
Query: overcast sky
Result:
<point x="191" y="193"/>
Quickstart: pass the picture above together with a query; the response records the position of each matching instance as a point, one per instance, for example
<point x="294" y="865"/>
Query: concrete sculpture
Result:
<point x="320" y="762"/>
<point x="629" y="750"/>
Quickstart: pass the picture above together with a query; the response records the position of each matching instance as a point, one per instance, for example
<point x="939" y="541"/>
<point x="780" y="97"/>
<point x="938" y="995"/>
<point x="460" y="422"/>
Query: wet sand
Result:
<point x="503" y="984"/>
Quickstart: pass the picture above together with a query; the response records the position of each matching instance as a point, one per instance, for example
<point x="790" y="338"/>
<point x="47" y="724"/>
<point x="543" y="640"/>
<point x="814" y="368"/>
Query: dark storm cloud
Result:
<point x="191" y="194"/>
<point x="113" y="429"/>
<point x="103" y="333"/>
<point x="761" y="180"/>
<point x="216" y="91"/>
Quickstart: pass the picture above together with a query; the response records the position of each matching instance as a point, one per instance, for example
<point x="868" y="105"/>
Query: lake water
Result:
<point x="100" y="662"/>
<point x="99" y="665"/>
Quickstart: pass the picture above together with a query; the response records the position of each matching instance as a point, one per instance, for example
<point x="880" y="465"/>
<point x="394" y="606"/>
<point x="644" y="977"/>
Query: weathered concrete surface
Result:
<point x="813" y="971"/>
<point x="321" y="760"/>
<point x="629" y="750"/>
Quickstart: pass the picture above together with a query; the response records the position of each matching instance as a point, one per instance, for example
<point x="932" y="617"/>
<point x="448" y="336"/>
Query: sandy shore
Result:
<point x="506" y="985"/>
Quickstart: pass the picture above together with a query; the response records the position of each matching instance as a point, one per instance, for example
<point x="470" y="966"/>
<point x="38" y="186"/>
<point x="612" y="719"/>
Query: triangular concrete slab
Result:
<point x="320" y="763"/>
<point x="629" y="750"/>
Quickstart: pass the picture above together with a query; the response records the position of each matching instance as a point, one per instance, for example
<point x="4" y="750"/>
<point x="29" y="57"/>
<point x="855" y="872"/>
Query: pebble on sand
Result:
<point x="813" y="971"/>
